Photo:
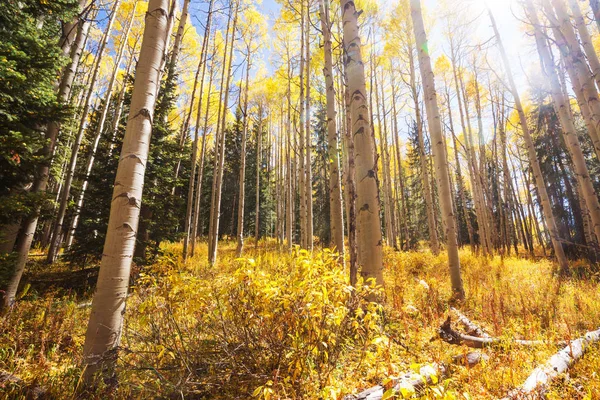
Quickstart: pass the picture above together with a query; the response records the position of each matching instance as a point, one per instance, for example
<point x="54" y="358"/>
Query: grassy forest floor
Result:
<point x="276" y="326"/>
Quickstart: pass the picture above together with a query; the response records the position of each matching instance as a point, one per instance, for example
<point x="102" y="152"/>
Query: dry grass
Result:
<point x="287" y="326"/>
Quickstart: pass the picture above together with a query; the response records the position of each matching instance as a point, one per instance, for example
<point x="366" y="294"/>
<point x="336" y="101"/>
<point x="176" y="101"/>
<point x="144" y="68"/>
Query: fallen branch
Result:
<point x="407" y="384"/>
<point x="470" y="359"/>
<point x="452" y="336"/>
<point x="557" y="364"/>
<point x="471" y="328"/>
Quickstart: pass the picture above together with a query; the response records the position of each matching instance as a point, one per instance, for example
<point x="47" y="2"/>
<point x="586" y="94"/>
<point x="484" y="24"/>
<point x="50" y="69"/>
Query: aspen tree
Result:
<point x="24" y="239"/>
<point x="178" y="39"/>
<point x="403" y="214"/>
<point x="216" y="206"/>
<point x="368" y="223"/>
<point x="302" y="142"/>
<point x="259" y="161"/>
<point x="307" y="132"/>
<point x="190" y="225"/>
<point x="438" y="147"/>
<point x="533" y="161"/>
<point x="242" y="177"/>
<point x="431" y="223"/>
<point x="70" y="28"/>
<point x="66" y="190"/>
<point x="384" y="161"/>
<point x="108" y="305"/>
<point x="99" y="130"/>
<point x="121" y="99"/>
<point x="336" y="222"/>
<point x="595" y="5"/>
<point x="577" y="68"/>
<point x="566" y="121"/>
<point x="586" y="41"/>
<point x="196" y="215"/>
<point x="289" y="192"/>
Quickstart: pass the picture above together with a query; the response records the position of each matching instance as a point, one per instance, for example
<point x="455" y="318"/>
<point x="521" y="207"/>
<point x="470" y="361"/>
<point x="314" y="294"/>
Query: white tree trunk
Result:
<point x="108" y="305"/>
<point x="99" y="131"/>
<point x="66" y="190"/>
<point x="368" y="222"/>
<point x="438" y="146"/>
<point x="533" y="161"/>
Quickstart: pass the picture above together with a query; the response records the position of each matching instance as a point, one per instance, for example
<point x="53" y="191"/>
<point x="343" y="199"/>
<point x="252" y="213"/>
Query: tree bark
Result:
<point x="40" y="183"/>
<point x="556" y="365"/>
<point x="196" y="215"/>
<point x="201" y="66"/>
<point x="438" y="146"/>
<point x="533" y="161"/>
<point x="368" y="234"/>
<point x="586" y="41"/>
<point x="55" y="244"/>
<point x="336" y="219"/>
<point x="565" y="118"/>
<point x="108" y="305"/>
<point x="258" y="168"/>
<point x="216" y="206"/>
<point x="595" y="5"/>
<point x="242" y="178"/>
<point x="99" y="131"/>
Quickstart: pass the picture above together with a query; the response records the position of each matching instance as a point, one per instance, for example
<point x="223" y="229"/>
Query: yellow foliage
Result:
<point x="275" y="325"/>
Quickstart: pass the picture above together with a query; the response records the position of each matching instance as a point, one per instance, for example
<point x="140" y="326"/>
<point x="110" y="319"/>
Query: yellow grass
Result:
<point x="275" y="325"/>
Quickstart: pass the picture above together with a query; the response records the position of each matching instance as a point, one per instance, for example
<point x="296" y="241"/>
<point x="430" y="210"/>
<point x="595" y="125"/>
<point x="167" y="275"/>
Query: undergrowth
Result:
<point x="284" y="326"/>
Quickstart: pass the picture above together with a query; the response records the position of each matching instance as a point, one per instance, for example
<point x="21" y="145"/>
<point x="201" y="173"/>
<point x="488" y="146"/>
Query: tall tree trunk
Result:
<point x="336" y="221"/>
<point x="121" y="100"/>
<point x="258" y="168"/>
<point x="562" y="109"/>
<point x="425" y="181"/>
<point x="307" y="131"/>
<point x="403" y="212"/>
<point x="242" y="179"/>
<point x="196" y="214"/>
<point x="439" y="149"/>
<point x="201" y="66"/>
<point x="302" y="142"/>
<point x="216" y="206"/>
<point x="595" y="5"/>
<point x="66" y="190"/>
<point x="99" y="131"/>
<point x="384" y="162"/>
<point x="108" y="306"/>
<point x="533" y="161"/>
<point x="289" y="192"/>
<point x="351" y="189"/>
<point x="42" y="173"/>
<point x="368" y="232"/>
<point x="178" y="39"/>
<point x="586" y="41"/>
<point x="70" y="28"/>
<point x="459" y="176"/>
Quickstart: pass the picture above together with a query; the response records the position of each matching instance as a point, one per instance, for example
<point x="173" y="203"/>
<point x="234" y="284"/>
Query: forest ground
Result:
<point x="274" y="325"/>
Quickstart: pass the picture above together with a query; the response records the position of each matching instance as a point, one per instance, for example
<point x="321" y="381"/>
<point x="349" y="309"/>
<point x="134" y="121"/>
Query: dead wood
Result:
<point x="471" y="328"/>
<point x="541" y="377"/>
<point x="410" y="381"/>
<point x="452" y="336"/>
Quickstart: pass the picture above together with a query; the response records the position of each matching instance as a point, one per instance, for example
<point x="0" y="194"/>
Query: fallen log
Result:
<point x="471" y="328"/>
<point x="539" y="379"/>
<point x="452" y="336"/>
<point x="470" y="359"/>
<point x="406" y="384"/>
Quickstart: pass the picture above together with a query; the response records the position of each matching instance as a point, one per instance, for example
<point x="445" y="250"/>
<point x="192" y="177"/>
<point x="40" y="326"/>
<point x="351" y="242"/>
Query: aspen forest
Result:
<point x="309" y="199"/>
